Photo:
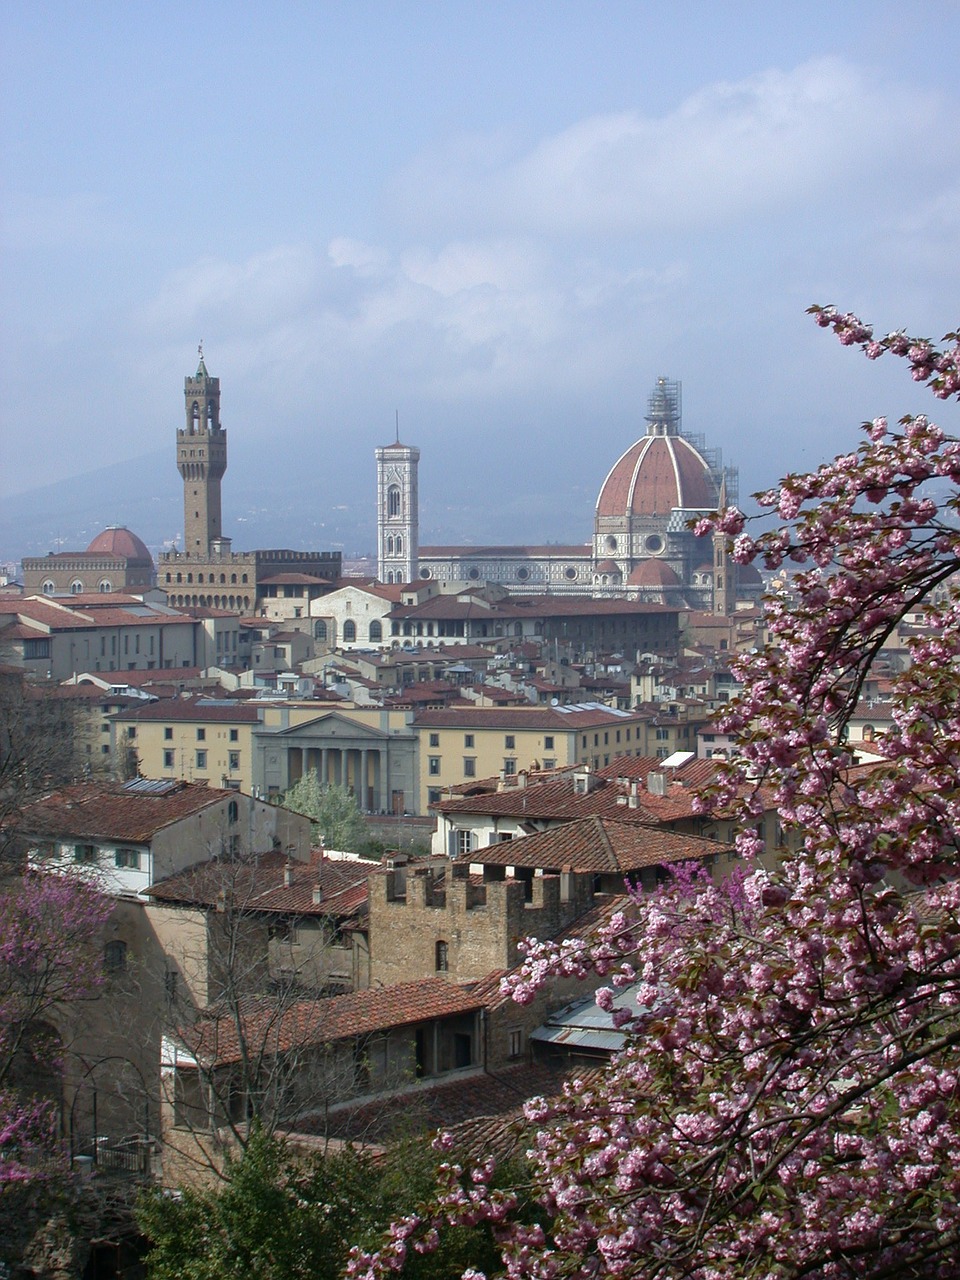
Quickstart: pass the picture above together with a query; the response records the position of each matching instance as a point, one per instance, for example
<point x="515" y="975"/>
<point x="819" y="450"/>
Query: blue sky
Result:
<point x="504" y="220"/>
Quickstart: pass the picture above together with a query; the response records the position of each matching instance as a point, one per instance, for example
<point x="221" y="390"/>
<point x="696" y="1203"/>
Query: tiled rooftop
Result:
<point x="599" y="845"/>
<point x="275" y="1029"/>
<point x="95" y="810"/>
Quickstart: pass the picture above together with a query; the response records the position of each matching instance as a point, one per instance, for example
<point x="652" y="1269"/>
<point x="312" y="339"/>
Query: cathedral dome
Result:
<point x="120" y="542"/>
<point x="663" y="470"/>
<point x="656" y="475"/>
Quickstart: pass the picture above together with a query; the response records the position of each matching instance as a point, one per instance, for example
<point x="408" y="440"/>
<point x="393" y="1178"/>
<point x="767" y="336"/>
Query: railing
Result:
<point x="134" y="1156"/>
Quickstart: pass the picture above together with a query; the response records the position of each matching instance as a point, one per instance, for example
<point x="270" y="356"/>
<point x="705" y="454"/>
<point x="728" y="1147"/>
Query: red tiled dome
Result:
<point x="656" y="475"/>
<point x="653" y="573"/>
<point x="608" y="566"/>
<point x="118" y="541"/>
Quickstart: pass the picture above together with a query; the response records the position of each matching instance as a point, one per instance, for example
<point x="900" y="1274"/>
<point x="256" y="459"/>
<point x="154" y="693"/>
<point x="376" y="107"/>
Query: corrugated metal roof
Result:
<point x="580" y="1038"/>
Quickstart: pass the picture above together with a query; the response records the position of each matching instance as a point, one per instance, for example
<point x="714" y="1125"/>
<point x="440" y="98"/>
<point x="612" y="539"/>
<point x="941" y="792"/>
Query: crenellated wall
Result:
<point x="479" y="924"/>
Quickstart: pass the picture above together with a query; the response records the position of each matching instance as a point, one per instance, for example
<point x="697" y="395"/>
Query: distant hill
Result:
<point x="283" y="506"/>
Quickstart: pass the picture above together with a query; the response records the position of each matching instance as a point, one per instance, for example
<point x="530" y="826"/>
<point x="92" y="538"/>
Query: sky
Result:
<point x="497" y="221"/>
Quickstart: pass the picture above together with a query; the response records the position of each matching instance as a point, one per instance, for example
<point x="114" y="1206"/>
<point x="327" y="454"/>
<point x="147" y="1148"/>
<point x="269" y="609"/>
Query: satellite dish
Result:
<point x="554" y="702"/>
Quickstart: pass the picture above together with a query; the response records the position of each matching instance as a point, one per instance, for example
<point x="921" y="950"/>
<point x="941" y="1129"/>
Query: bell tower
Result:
<point x="398" y="521"/>
<point x="201" y="460"/>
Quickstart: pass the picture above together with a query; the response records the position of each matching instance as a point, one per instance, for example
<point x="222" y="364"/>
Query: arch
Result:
<point x="320" y="629"/>
<point x="376" y="631"/>
<point x="390" y="546"/>
<point x="398" y="546"/>
<point x="76" y="587"/>
<point x="349" y="631"/>
<point x="394" y="501"/>
<point x="115" y="956"/>
<point x="105" y="586"/>
<point x="48" y="587"/>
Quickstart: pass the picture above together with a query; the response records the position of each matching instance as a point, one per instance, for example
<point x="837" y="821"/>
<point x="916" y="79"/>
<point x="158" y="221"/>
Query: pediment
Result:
<point x="332" y="727"/>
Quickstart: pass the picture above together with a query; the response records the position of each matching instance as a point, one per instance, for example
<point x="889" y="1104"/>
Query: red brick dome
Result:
<point x="653" y="573"/>
<point x="120" y="542"/>
<point x="656" y="475"/>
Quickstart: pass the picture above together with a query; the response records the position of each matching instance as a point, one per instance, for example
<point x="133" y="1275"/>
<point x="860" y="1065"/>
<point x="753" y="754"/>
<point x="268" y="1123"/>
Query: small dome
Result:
<point x="120" y="542"/>
<point x="653" y="573"/>
<point x="608" y="566"/>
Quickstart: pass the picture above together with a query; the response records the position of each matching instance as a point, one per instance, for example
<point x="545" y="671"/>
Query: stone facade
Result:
<point x="461" y="929"/>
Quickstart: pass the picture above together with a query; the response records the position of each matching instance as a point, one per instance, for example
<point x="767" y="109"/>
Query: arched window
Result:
<point x="195" y="414"/>
<point x="349" y="631"/>
<point x="320" y="629"/>
<point x="115" y="956"/>
<point x="76" y="587"/>
<point x="390" y="546"/>
<point x="233" y="812"/>
<point x="106" y="586"/>
<point x="376" y="632"/>
<point x="399" y="546"/>
<point x="393" y="500"/>
<point x="48" y="588"/>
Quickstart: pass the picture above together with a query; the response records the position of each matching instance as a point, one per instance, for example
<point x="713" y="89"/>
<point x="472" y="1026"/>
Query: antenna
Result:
<point x="397" y="412"/>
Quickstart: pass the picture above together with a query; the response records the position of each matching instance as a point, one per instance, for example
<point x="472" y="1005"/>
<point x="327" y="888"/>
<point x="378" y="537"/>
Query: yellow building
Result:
<point x="458" y="744"/>
<point x="196" y="740"/>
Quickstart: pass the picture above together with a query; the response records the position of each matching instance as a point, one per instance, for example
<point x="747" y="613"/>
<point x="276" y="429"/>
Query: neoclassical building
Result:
<point x="642" y="546"/>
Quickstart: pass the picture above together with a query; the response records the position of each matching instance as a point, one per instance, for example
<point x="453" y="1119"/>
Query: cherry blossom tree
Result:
<point x="788" y="1101"/>
<point x="51" y="958"/>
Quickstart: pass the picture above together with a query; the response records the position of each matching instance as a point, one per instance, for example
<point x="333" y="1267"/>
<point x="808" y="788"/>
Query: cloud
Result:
<point x="236" y="296"/>
<point x="729" y="151"/>
<point x="470" y="318"/>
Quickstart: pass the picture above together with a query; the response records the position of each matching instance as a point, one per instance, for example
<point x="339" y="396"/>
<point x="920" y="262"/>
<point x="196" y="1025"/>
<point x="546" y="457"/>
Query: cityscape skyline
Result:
<point x="505" y="238"/>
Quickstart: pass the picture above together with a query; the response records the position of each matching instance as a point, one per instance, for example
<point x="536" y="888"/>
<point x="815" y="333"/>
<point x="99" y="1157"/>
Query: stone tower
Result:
<point x="201" y="460"/>
<point x="398" y="533"/>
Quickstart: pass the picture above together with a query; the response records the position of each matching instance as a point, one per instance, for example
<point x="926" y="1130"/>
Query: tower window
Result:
<point x="393" y="500"/>
<point x="349" y="632"/>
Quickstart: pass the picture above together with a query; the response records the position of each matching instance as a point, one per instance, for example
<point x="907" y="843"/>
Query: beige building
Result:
<point x="122" y="838"/>
<point x="116" y="560"/>
<point x="193" y="739"/>
<point x="57" y="639"/>
<point x="458" y="744"/>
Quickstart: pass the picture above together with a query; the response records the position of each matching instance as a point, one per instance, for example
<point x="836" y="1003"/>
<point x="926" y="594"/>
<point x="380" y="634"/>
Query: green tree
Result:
<point x="334" y="810"/>
<point x="280" y="1216"/>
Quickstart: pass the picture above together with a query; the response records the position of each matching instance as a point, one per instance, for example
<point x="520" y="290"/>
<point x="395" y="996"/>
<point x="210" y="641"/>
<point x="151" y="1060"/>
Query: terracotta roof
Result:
<point x="656" y="475"/>
<point x="478" y="1106"/>
<point x="105" y="810"/>
<point x="276" y="1029"/>
<point x="193" y="709"/>
<point x="599" y="845"/>
<point x="556" y="719"/>
<point x="259" y="884"/>
<point x="694" y="773"/>
<point x="653" y="573"/>
<point x="557" y="800"/>
<point x="516" y="606"/>
<point x="121" y="542"/>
